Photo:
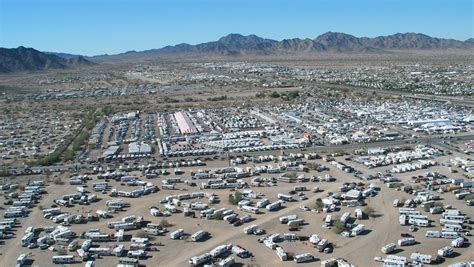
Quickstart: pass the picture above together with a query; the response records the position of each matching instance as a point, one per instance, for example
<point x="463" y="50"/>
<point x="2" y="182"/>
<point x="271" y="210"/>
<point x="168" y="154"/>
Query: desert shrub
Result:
<point x="235" y="198"/>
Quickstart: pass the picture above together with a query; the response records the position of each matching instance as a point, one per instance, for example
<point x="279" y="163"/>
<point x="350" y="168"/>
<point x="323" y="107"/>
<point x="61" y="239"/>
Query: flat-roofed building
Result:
<point x="186" y="126"/>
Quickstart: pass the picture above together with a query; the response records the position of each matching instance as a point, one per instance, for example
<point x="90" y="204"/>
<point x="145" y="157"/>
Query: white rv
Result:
<point x="304" y="257"/>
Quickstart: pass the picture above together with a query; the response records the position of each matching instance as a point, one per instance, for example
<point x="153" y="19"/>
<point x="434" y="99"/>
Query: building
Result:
<point x="185" y="125"/>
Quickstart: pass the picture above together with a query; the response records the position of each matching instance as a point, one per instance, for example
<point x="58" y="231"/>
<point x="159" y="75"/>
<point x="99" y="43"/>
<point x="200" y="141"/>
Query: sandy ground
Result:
<point x="382" y="230"/>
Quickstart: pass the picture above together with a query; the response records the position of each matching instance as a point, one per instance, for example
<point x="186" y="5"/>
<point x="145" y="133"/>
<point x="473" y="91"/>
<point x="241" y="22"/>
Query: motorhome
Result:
<point x="433" y="234"/>
<point x="154" y="232"/>
<point x="136" y="253"/>
<point x="304" y="257"/>
<point x="241" y="252"/>
<point x="263" y="203"/>
<point x="250" y="209"/>
<point x="73" y="245"/>
<point x="274" y="206"/>
<point x="199" y="235"/>
<point x="219" y="250"/>
<point x="125" y="226"/>
<point x="357" y="230"/>
<point x="458" y="242"/>
<point x="293" y="224"/>
<point x="406" y="241"/>
<point x="328" y="220"/>
<point x="285" y="197"/>
<point x="408" y="211"/>
<point x="445" y="251"/>
<point x="100" y="251"/>
<point x="26" y="240"/>
<point x="389" y="248"/>
<point x="199" y="260"/>
<point x="299" y="188"/>
<point x="423" y="258"/>
<point x="287" y="218"/>
<point x="20" y="261"/>
<point x="446" y="221"/>
<point x="314" y="239"/>
<point x="281" y="254"/>
<point x="322" y="244"/>
<point x="449" y="234"/>
<point x="177" y="234"/>
<point x="419" y="222"/>
<point x="250" y="229"/>
<point x="86" y="244"/>
<point x="452" y="228"/>
<point x="100" y="237"/>
<point x="345" y="217"/>
<point x="128" y="261"/>
<point x="140" y="240"/>
<point x="15" y="213"/>
<point x="63" y="259"/>
<point x="359" y="214"/>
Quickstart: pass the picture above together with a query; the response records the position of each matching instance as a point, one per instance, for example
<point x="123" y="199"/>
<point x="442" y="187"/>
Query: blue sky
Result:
<point x="92" y="27"/>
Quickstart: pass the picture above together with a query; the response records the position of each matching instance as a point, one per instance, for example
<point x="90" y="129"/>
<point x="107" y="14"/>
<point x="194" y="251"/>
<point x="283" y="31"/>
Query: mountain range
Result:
<point x="29" y="59"/>
<point x="237" y="45"/>
<point x="330" y="42"/>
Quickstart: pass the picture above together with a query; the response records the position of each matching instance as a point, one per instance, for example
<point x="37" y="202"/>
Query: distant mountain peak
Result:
<point x="235" y="41"/>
